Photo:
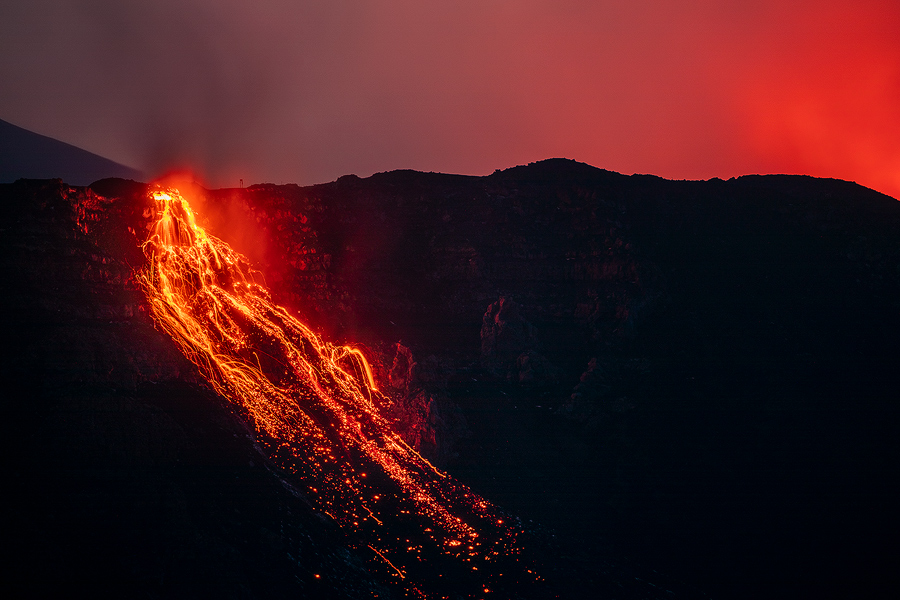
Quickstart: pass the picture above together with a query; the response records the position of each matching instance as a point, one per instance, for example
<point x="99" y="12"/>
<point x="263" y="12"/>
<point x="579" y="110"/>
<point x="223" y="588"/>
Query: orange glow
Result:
<point x="314" y="404"/>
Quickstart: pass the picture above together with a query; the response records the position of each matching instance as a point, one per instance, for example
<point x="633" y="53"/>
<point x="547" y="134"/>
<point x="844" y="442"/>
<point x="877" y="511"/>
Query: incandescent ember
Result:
<point x="315" y="406"/>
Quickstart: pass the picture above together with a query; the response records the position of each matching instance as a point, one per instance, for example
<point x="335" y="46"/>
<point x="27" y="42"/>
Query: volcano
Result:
<point x="553" y="381"/>
<point x="24" y="153"/>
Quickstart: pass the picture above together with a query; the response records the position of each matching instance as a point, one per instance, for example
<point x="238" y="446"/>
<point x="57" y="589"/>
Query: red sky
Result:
<point x="306" y="91"/>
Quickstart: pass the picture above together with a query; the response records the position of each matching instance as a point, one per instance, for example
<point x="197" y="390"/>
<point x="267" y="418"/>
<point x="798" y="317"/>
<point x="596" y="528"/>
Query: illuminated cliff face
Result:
<point x="315" y="407"/>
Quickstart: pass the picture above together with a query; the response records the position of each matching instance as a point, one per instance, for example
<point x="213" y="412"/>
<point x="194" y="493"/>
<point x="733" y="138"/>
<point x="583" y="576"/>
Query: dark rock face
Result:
<point x="422" y="412"/>
<point x="509" y="345"/>
<point x="505" y="335"/>
<point x="128" y="476"/>
<point x="699" y="375"/>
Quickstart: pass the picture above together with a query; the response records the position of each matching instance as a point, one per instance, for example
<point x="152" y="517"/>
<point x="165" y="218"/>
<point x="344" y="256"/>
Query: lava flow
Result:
<point x="315" y="407"/>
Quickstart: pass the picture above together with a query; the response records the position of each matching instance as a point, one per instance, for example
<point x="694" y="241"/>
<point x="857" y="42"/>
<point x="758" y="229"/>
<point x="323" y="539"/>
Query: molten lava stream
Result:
<point x="315" y="406"/>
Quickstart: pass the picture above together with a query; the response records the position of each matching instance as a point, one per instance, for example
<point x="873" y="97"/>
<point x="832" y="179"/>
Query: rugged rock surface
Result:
<point x="421" y="409"/>
<point x="126" y="475"/>
<point x="699" y="375"/>
<point x="509" y="345"/>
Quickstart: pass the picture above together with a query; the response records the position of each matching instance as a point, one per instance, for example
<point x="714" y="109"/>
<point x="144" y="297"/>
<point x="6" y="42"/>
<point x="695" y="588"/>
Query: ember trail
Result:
<point x="315" y="407"/>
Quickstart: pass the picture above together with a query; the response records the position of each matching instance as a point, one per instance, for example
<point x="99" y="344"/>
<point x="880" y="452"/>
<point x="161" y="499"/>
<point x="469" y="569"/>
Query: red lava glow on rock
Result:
<point x="315" y="406"/>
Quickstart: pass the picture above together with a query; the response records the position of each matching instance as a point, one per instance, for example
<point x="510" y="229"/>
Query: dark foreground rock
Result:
<point x="126" y="475"/>
<point x="694" y="378"/>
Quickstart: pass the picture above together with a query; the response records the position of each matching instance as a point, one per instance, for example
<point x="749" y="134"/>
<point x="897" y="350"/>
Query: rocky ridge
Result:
<point x="627" y="360"/>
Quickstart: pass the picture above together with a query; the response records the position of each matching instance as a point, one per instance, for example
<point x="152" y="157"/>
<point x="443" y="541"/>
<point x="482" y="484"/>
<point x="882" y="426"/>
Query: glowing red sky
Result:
<point x="306" y="91"/>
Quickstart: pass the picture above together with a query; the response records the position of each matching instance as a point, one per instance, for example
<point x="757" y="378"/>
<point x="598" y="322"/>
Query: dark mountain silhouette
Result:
<point x="687" y="387"/>
<point x="24" y="153"/>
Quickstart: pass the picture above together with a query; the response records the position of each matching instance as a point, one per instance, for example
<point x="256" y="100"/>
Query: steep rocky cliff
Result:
<point x="698" y="375"/>
<point x="126" y="475"/>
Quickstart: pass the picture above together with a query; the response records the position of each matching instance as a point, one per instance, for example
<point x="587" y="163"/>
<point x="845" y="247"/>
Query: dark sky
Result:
<point x="307" y="90"/>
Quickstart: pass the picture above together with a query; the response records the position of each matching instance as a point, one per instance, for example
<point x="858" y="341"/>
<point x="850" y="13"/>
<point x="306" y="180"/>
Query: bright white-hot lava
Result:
<point x="315" y="406"/>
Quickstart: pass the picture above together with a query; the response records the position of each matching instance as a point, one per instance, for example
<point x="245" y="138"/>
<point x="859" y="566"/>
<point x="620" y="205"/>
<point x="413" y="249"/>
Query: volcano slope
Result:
<point x="698" y="376"/>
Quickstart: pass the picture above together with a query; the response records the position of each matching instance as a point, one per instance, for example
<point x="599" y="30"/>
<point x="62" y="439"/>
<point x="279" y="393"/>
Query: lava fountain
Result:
<point x="315" y="409"/>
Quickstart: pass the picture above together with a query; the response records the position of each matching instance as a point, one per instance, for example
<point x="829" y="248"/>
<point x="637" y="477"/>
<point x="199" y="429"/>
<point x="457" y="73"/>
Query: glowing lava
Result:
<point x="315" y="406"/>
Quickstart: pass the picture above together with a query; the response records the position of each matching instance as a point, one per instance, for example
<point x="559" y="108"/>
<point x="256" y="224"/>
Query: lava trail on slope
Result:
<point x="315" y="407"/>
